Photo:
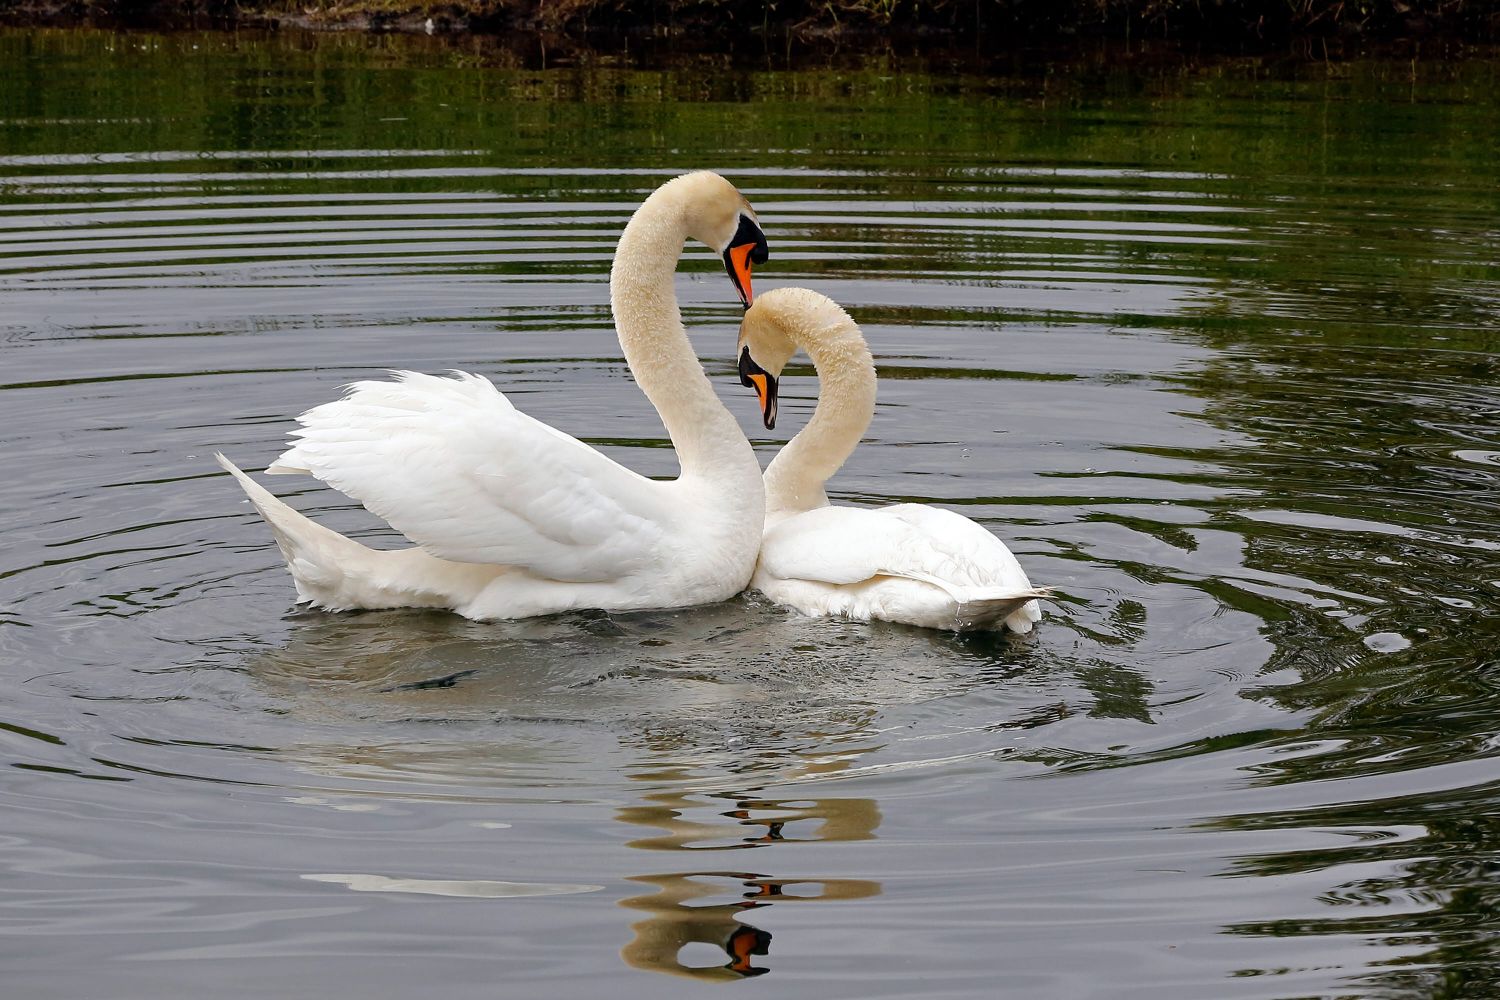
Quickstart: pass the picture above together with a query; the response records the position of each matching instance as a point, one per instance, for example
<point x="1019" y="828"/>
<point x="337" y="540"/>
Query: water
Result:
<point x="1212" y="345"/>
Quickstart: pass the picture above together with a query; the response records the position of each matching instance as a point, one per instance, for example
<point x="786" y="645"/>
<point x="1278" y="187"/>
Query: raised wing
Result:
<point x="453" y="466"/>
<point x="847" y="545"/>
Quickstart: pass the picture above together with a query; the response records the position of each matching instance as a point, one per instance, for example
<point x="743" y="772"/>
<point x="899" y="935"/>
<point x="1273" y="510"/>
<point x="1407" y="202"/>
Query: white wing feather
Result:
<point x="849" y="545"/>
<point x="453" y="466"/>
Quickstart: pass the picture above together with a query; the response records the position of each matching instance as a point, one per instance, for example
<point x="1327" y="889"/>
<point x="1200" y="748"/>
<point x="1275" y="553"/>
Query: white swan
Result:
<point x="512" y="518"/>
<point x="908" y="563"/>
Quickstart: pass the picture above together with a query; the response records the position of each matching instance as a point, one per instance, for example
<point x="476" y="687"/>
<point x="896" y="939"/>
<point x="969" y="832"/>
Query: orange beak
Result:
<point x="739" y="271"/>
<point x="764" y="384"/>
<point x="762" y="387"/>
<point x="748" y="247"/>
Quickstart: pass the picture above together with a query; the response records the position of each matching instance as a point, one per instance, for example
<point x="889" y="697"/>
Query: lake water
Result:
<point x="1212" y="345"/>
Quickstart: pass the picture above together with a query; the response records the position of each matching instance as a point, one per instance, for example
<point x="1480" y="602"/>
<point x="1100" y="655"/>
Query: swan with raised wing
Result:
<point x="908" y="563"/>
<point x="511" y="518"/>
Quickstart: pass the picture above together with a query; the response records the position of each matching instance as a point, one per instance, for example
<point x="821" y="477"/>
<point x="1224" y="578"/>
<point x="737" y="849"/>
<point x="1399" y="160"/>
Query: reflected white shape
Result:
<point x="314" y="800"/>
<point x="473" y="888"/>
<point x="1387" y="642"/>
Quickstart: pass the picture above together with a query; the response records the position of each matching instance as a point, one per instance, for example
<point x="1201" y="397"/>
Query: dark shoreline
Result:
<point x="1326" y="27"/>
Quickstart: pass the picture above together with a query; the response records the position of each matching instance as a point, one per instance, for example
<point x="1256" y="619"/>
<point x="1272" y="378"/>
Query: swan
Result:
<point x="512" y="518"/>
<point x="908" y="563"/>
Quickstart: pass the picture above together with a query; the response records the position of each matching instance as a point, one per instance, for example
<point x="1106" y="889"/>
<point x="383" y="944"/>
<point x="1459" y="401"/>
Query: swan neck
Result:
<point x="796" y="478"/>
<point x="647" y="320"/>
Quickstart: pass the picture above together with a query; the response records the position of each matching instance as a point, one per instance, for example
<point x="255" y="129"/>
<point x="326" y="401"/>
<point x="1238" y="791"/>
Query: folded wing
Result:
<point x="848" y="545"/>
<point x="453" y="466"/>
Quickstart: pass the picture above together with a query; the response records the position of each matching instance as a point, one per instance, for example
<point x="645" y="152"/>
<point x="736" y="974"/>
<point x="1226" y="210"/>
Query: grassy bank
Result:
<point x="1000" y="22"/>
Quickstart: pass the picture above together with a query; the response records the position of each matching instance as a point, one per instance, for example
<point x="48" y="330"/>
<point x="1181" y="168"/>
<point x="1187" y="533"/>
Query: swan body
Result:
<point x="511" y="518"/>
<point x="908" y="563"/>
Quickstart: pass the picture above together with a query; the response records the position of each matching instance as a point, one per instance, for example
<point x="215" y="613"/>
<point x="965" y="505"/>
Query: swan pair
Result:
<point x="512" y="518"/>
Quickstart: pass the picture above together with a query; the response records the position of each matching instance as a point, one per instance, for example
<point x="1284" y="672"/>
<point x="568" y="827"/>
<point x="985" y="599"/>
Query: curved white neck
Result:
<point x="708" y="440"/>
<point x="846" y="403"/>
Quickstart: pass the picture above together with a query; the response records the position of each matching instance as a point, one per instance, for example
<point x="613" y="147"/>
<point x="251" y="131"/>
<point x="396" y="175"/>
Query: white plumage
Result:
<point x="907" y="563"/>
<point x="458" y="470"/>
<point x="512" y="518"/>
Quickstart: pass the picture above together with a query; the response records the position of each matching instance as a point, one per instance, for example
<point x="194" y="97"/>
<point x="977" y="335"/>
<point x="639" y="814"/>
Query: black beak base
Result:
<point x="753" y="376"/>
<point x="748" y="235"/>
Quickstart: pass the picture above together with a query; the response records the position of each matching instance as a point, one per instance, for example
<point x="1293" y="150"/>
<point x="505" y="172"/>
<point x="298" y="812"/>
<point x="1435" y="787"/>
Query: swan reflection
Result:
<point x="695" y="739"/>
<point x="679" y="914"/>
<point x="678" y="917"/>
<point x="837" y="819"/>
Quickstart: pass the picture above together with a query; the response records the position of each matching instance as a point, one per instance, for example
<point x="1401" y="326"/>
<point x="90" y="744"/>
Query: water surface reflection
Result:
<point x="440" y="673"/>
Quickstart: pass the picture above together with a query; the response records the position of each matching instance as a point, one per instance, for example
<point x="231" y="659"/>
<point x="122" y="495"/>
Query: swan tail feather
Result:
<point x="336" y="573"/>
<point x="320" y="559"/>
<point x="991" y="609"/>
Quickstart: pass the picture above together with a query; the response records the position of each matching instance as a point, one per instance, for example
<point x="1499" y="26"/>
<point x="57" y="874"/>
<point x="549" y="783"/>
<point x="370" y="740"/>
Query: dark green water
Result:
<point x="1213" y="346"/>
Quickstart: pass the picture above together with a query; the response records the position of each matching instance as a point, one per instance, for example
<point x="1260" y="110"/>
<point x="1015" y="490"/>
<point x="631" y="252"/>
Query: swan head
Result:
<point x="718" y="216"/>
<point x="781" y="322"/>
<point x="764" y="348"/>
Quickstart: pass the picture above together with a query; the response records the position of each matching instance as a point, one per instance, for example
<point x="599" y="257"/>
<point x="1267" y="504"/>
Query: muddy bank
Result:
<point x="712" y="23"/>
